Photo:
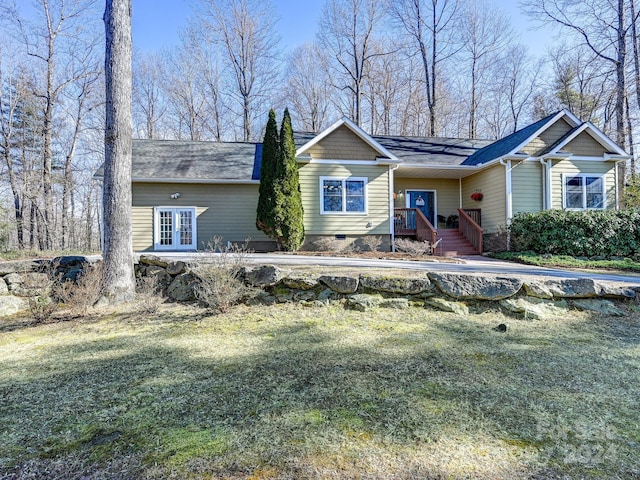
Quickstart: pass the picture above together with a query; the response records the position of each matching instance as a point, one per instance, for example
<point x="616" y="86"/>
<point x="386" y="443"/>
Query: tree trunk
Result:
<point x="118" y="281"/>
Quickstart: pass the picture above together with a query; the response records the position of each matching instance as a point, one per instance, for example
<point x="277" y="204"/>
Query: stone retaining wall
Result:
<point x="451" y="292"/>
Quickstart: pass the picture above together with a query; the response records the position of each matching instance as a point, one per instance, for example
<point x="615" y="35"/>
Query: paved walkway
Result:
<point x="475" y="264"/>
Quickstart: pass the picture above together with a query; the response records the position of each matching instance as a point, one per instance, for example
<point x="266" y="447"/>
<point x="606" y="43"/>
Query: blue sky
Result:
<point x="156" y="23"/>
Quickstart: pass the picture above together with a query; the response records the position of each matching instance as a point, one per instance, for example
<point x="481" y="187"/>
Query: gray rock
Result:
<point x="604" y="307"/>
<point x="476" y="287"/>
<point x="182" y="287"/>
<point x="4" y="289"/>
<point x="262" y="298"/>
<point x="395" y="303"/>
<point x="326" y="295"/>
<point x="154" y="270"/>
<point x="13" y="279"/>
<point x="264" y="276"/>
<point x="304" y="296"/>
<point x="614" y="291"/>
<point x="535" y="308"/>
<point x="458" y="308"/>
<point x="10" y="305"/>
<point x="340" y="284"/>
<point x="563" y="288"/>
<point x="401" y="285"/>
<point x="362" y="301"/>
<point x="300" y="282"/>
<point x="69" y="261"/>
<point x="153" y="260"/>
<point x="176" y="268"/>
<point x="18" y="266"/>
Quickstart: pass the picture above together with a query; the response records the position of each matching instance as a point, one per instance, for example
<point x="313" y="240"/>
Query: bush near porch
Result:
<point x="592" y="233"/>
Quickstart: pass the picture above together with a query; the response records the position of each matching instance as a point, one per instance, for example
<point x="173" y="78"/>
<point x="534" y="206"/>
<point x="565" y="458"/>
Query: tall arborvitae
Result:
<point x="265" y="219"/>
<point x="289" y="212"/>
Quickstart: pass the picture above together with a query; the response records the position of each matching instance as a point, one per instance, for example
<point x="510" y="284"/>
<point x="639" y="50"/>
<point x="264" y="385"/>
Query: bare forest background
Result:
<point x="448" y="68"/>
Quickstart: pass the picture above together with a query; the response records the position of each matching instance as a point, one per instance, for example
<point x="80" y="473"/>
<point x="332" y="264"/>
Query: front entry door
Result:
<point x="175" y="229"/>
<point x="423" y="200"/>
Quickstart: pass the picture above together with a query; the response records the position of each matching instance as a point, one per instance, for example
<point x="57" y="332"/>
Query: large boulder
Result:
<point x="562" y="288"/>
<point x="264" y="276"/>
<point x="29" y="284"/>
<point x="18" y="266"/>
<point x="10" y="305"/>
<point x="4" y="289"/>
<point x="400" y="285"/>
<point x="597" y="305"/>
<point x="300" y="282"/>
<point x="146" y="259"/>
<point x="616" y="291"/>
<point x="447" y="306"/>
<point x="182" y="288"/>
<point x="535" y="308"/>
<point x="475" y="287"/>
<point x="176" y="268"/>
<point x="362" y="301"/>
<point x="340" y="284"/>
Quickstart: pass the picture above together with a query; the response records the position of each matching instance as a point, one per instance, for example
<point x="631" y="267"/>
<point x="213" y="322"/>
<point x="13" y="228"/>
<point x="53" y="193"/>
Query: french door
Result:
<point x="175" y="228"/>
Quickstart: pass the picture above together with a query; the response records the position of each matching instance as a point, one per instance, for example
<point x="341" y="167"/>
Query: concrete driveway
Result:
<point x="475" y="264"/>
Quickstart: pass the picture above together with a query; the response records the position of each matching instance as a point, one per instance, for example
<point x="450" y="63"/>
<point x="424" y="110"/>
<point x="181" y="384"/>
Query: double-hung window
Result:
<point x="343" y="195"/>
<point x="584" y="191"/>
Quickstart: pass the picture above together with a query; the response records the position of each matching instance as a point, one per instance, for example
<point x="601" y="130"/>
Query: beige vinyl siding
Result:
<point x="342" y="144"/>
<point x="585" y="167"/>
<point x="547" y="138"/>
<point x="447" y="193"/>
<point x="225" y="210"/>
<point x="345" y="224"/>
<point x="526" y="187"/>
<point x="585" y="145"/>
<point x="491" y="182"/>
<point x="142" y="227"/>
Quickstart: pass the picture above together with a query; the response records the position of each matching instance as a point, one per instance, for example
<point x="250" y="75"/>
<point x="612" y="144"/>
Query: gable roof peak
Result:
<point x="359" y="132"/>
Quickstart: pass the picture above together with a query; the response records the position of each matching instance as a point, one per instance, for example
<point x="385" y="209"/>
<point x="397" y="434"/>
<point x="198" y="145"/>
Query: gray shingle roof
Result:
<point x="240" y="161"/>
<point x="506" y="144"/>
<point x="171" y="159"/>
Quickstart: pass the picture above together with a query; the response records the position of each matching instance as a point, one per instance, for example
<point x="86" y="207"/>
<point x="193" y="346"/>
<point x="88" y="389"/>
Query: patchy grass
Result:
<point x="291" y="392"/>
<point x="566" y="261"/>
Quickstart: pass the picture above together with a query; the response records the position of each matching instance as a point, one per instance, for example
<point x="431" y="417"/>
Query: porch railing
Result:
<point x="470" y="229"/>
<point x="411" y="221"/>
<point x="475" y="214"/>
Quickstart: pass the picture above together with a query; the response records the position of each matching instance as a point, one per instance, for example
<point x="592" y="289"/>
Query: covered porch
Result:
<point x="432" y="210"/>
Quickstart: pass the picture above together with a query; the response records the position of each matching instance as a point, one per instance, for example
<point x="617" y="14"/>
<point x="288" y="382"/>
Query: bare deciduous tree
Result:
<point x="347" y="31"/>
<point x="246" y="30"/>
<point x="118" y="282"/>
<point x="428" y="25"/>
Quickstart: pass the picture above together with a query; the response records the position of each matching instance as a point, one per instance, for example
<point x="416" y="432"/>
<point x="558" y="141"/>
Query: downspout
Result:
<point x="509" y="199"/>
<point x="546" y="185"/>
<point x="392" y="229"/>
<point x="509" y="203"/>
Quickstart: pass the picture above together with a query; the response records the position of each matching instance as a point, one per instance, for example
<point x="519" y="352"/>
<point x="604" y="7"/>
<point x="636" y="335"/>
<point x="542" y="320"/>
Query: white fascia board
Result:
<point x="208" y="181"/>
<point x="537" y="133"/>
<point x="618" y="158"/>
<point x="364" y="136"/>
<point x="605" y="141"/>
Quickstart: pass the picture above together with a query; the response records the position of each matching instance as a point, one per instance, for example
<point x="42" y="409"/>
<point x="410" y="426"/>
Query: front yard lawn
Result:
<point x="291" y="392"/>
<point x="566" y="261"/>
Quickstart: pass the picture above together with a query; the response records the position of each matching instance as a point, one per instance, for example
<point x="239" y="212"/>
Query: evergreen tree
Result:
<point x="289" y="212"/>
<point x="265" y="219"/>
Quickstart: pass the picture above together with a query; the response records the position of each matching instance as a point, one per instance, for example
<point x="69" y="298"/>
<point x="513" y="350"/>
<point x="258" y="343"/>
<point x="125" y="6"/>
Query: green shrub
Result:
<point x="589" y="233"/>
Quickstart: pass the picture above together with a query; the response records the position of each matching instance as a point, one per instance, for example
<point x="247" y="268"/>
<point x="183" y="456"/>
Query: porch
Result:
<point x="462" y="234"/>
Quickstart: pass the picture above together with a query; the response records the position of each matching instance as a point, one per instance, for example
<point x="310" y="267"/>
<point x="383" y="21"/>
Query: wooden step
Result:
<point x="453" y="244"/>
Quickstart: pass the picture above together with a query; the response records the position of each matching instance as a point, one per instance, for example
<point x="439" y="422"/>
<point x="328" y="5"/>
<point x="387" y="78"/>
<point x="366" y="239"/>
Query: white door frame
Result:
<point x="435" y="202"/>
<point x="175" y="245"/>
